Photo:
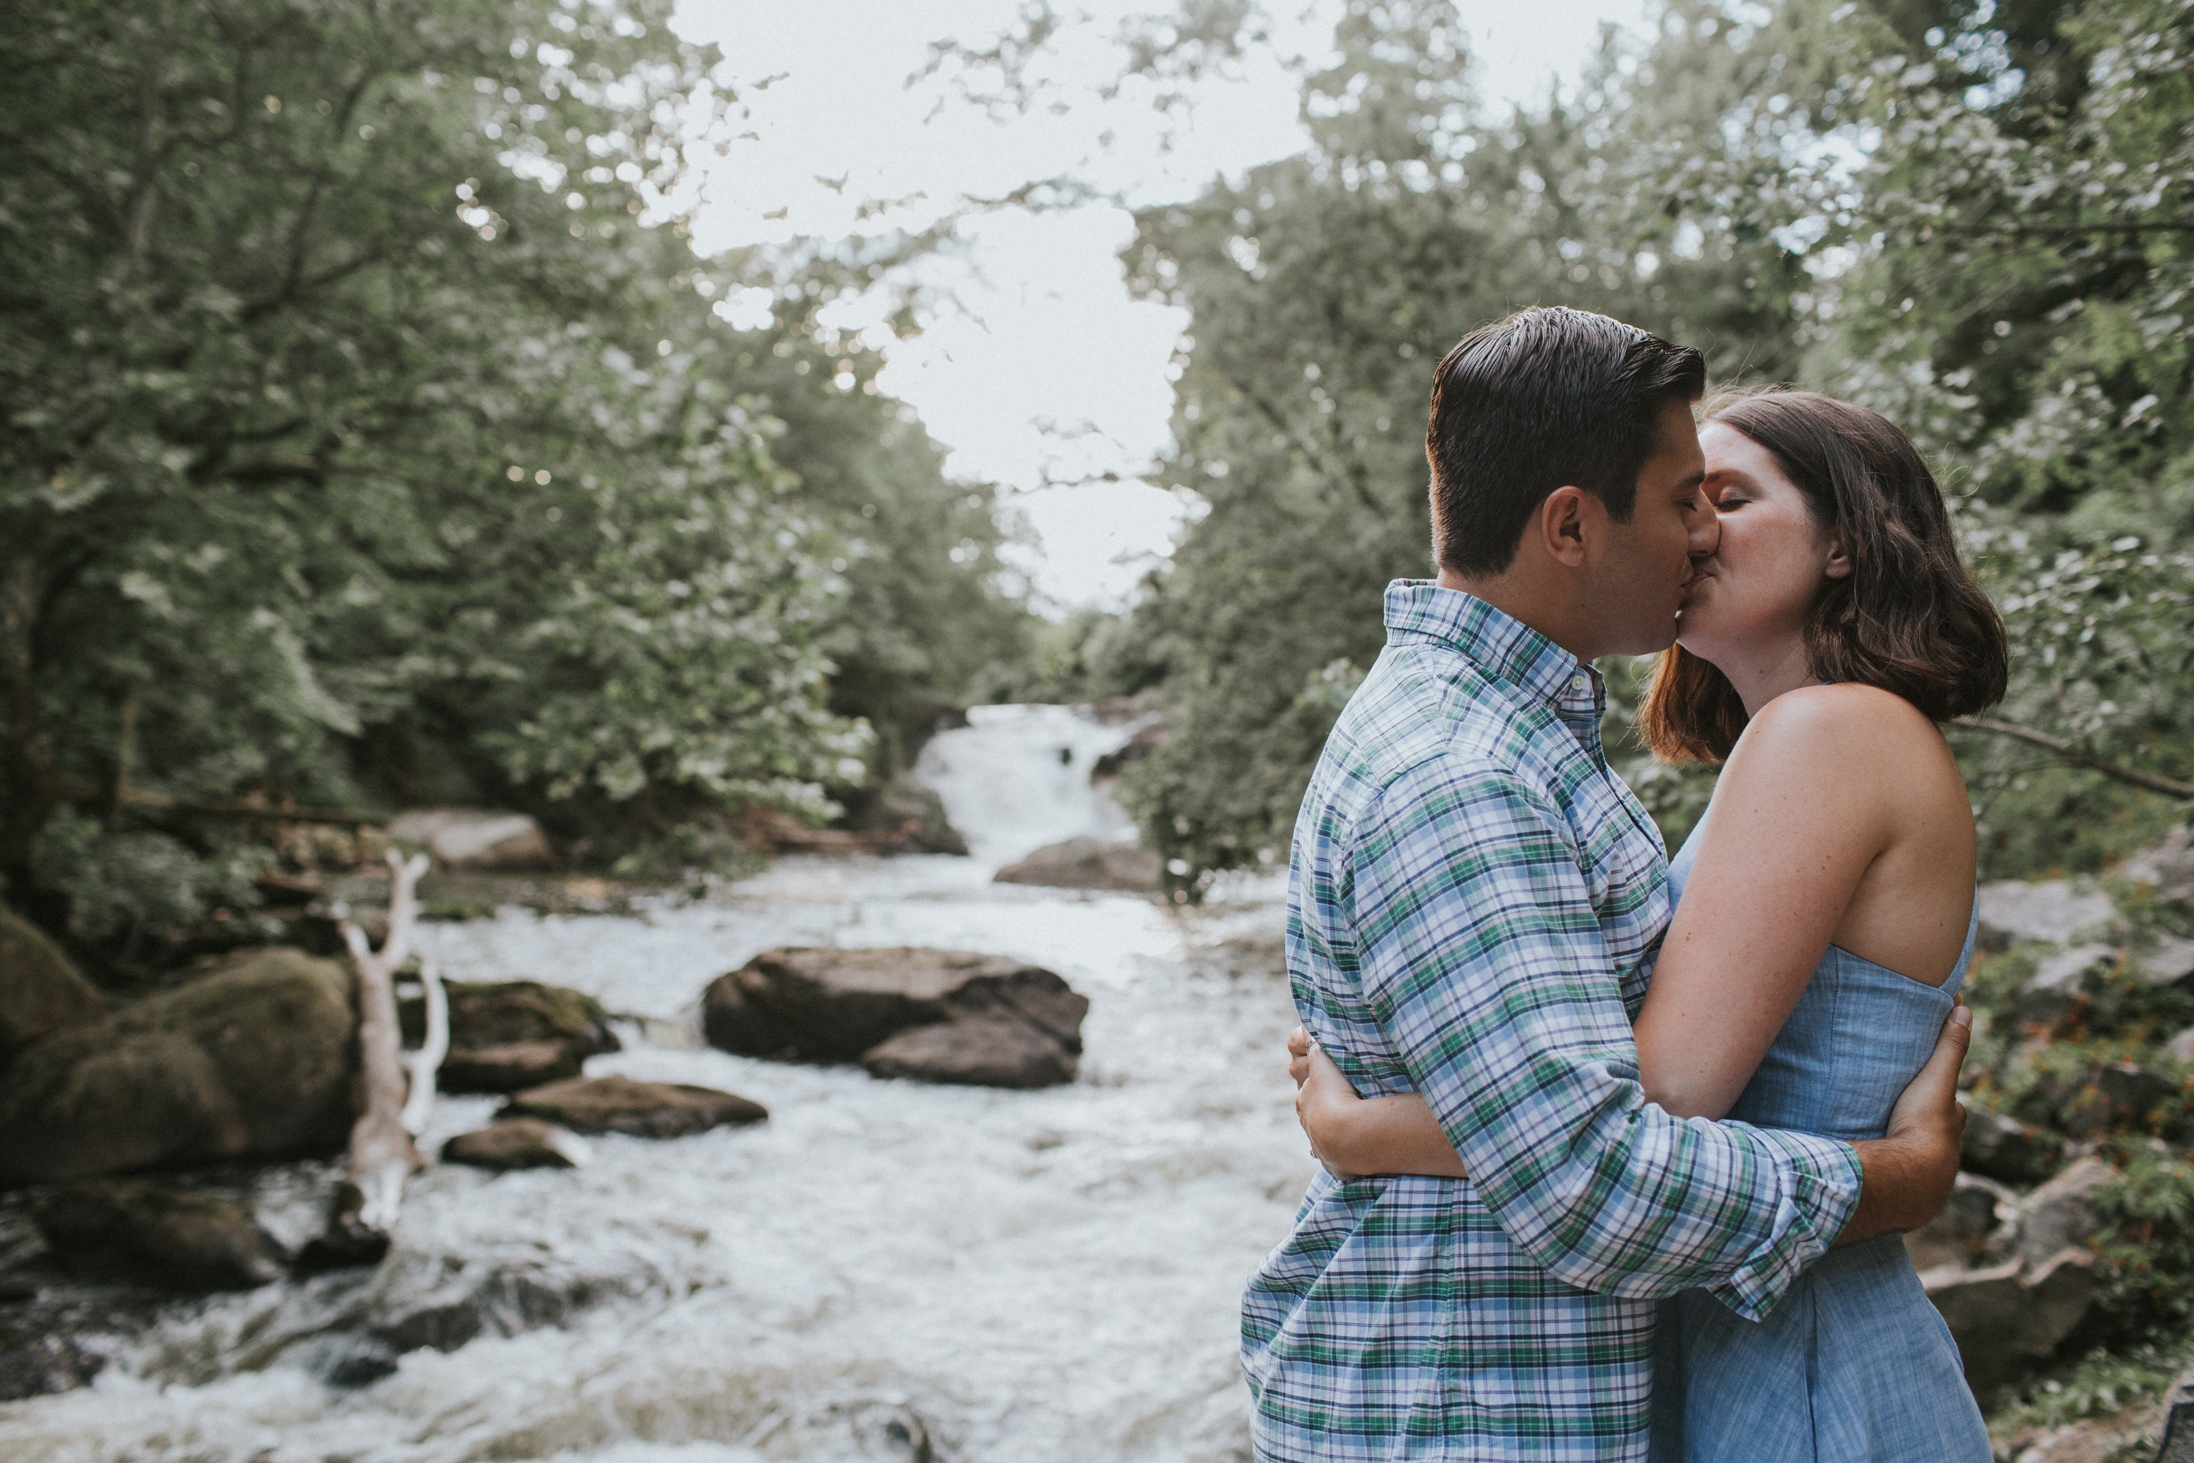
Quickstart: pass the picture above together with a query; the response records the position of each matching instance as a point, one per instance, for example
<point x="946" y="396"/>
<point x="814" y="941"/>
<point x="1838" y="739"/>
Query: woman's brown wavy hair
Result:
<point x="1908" y="618"/>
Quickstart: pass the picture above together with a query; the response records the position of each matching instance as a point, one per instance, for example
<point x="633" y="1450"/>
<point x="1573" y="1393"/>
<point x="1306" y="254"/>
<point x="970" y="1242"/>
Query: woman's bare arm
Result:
<point x="1354" y="1135"/>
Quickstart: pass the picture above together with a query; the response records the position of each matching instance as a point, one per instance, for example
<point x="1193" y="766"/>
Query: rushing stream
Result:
<point x="884" y="1270"/>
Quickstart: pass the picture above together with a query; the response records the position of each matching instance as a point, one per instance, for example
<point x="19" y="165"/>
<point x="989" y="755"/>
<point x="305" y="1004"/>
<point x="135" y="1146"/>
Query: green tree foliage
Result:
<point x="1972" y="218"/>
<point x="350" y="407"/>
<point x="1323" y="291"/>
<point x="2022" y="305"/>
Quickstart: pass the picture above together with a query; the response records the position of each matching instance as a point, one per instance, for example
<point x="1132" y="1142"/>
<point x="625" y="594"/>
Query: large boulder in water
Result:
<point x="1087" y="863"/>
<point x="40" y="992"/>
<point x="255" y="1060"/>
<point x="934" y="1015"/>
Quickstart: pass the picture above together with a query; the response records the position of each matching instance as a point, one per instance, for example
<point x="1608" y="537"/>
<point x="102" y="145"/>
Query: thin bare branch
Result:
<point x="426" y="1062"/>
<point x="2080" y="757"/>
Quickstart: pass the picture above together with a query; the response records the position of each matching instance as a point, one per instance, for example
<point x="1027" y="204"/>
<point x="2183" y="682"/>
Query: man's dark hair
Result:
<point x="1547" y="398"/>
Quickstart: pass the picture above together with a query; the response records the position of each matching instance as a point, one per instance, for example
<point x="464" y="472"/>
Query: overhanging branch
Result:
<point x="2079" y="757"/>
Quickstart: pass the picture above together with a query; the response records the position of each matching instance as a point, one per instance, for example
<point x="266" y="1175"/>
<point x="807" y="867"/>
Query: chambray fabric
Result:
<point x="1474" y="903"/>
<point x="1854" y="1365"/>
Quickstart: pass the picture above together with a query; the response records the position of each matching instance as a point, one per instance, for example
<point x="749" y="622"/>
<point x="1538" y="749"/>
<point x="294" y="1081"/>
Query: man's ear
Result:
<point x="1839" y="564"/>
<point x="1566" y="521"/>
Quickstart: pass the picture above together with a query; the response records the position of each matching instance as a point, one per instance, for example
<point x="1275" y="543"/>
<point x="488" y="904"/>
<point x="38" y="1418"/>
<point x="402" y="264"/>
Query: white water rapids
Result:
<point x="884" y="1270"/>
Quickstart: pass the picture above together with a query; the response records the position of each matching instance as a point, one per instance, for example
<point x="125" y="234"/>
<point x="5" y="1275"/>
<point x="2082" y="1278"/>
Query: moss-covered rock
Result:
<point x="508" y="1035"/>
<point x="40" y="992"/>
<point x="255" y="1060"/>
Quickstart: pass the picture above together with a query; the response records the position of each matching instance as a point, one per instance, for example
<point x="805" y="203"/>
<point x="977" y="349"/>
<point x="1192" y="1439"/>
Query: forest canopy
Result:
<point x="1973" y="218"/>
<point x="373" y="435"/>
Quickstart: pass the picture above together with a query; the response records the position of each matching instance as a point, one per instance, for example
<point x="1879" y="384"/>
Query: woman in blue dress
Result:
<point x="1824" y="915"/>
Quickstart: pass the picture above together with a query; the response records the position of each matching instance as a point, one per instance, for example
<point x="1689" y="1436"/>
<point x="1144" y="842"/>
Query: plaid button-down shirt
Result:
<point x="1474" y="904"/>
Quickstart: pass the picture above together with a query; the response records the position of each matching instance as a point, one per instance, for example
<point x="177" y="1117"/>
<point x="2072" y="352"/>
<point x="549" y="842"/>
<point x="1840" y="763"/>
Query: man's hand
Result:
<point x="1911" y="1170"/>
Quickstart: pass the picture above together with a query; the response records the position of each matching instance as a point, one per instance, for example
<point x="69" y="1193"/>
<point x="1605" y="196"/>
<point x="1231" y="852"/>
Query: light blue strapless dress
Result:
<point x="1854" y="1365"/>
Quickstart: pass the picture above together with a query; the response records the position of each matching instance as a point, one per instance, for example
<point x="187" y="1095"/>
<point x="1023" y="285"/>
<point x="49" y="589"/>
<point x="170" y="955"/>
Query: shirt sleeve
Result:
<point x="1481" y="957"/>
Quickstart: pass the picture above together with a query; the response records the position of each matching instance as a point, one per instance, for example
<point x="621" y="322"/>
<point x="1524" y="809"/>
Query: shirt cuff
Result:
<point x="1818" y="1187"/>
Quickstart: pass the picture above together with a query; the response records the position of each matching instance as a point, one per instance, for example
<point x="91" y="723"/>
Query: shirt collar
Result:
<point x="1497" y="642"/>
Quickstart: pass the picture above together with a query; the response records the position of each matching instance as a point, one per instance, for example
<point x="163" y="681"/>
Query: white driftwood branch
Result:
<point x="381" y="1152"/>
<point x="426" y="1062"/>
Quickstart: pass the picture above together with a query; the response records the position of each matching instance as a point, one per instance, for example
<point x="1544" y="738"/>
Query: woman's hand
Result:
<point x="1322" y="1096"/>
<point x="1353" y="1136"/>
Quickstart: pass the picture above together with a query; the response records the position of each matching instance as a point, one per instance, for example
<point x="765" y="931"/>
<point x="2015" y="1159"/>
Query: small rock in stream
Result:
<point x="149" y="1234"/>
<point x="516" y="1143"/>
<point x="980" y="1051"/>
<point x="1087" y="863"/>
<point x="511" y="1067"/>
<point x="506" y="1036"/>
<point x="639" y="1109"/>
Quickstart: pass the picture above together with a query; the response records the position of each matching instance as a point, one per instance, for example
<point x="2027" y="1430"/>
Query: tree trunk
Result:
<point x="31" y="767"/>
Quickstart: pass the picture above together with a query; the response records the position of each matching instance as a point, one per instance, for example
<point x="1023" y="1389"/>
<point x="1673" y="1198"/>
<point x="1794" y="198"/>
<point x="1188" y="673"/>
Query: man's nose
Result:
<point x="1706" y="534"/>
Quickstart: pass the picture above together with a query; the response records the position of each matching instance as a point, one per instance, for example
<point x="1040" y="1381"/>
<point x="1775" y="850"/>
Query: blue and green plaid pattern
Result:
<point x="1474" y="905"/>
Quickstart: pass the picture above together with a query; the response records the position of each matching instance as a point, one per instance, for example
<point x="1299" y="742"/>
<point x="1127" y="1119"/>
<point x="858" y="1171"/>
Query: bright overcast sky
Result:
<point x="1036" y="369"/>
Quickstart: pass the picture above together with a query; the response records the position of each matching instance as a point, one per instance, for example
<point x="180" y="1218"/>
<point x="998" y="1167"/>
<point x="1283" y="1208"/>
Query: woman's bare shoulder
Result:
<point x="1835" y="733"/>
<point x="1820" y="716"/>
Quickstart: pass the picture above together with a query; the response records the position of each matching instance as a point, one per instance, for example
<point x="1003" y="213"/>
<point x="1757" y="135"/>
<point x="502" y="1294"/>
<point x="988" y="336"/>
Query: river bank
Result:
<point x="884" y="1270"/>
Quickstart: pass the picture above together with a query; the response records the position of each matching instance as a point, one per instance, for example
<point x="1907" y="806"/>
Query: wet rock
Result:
<point x="2181" y="1046"/>
<point x="2009" y="1316"/>
<point x="639" y="1109"/>
<point x="981" y="1051"/>
<point x="1959" y="1233"/>
<point x="252" y="1061"/>
<point x="40" y="1366"/>
<point x="468" y="1301"/>
<point x="2053" y="991"/>
<point x="475" y="838"/>
<point x="1147" y="739"/>
<point x="1087" y="863"/>
<point x="836" y="1005"/>
<point x="832" y="1005"/>
<point x="506" y="1036"/>
<point x="2169" y="866"/>
<point x="149" y="1234"/>
<point x="40" y="992"/>
<point x="516" y="1143"/>
<point x="2013" y="910"/>
<point x="2061" y="1213"/>
<point x="512" y="1067"/>
<point x="346" y="1241"/>
<point x="2007" y="1150"/>
<point x="906" y="816"/>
